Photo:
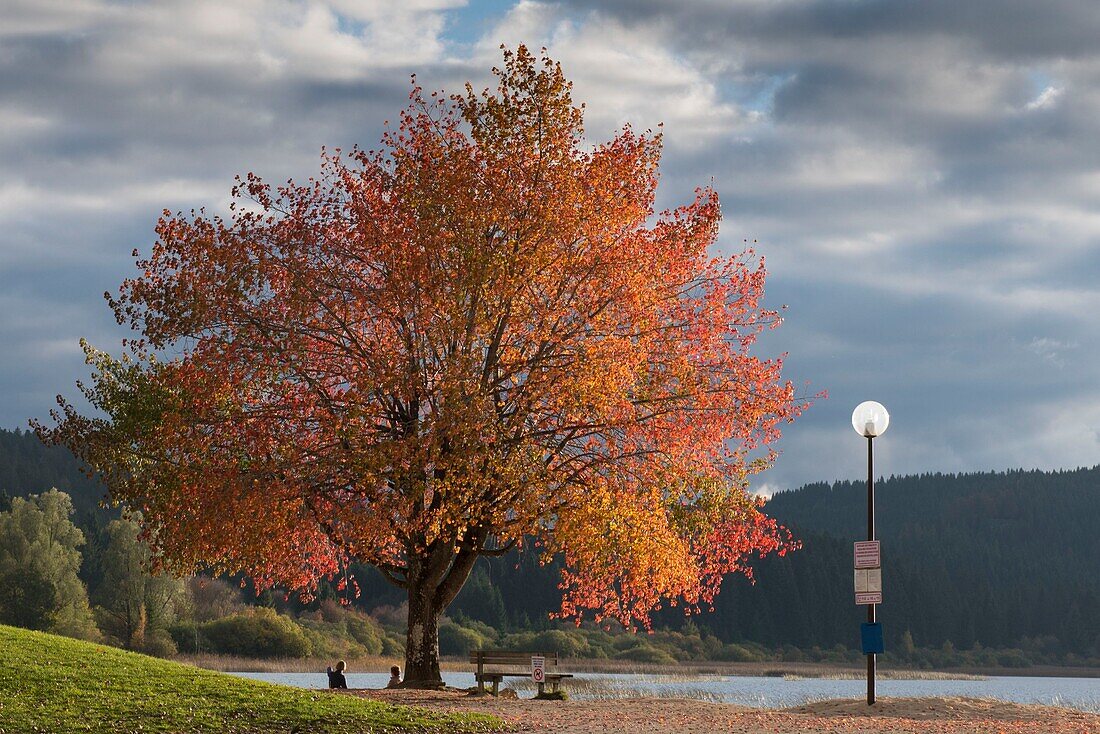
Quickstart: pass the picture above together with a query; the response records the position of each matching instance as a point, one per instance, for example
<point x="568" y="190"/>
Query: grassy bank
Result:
<point x="54" y="684"/>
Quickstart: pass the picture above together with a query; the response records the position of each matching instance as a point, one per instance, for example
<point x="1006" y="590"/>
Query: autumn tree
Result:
<point x="479" y="336"/>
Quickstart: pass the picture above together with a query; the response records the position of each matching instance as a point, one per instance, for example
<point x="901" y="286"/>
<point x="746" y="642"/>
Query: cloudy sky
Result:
<point x="922" y="178"/>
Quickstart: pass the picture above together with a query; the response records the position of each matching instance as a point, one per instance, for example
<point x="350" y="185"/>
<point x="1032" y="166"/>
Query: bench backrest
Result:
<point x="510" y="657"/>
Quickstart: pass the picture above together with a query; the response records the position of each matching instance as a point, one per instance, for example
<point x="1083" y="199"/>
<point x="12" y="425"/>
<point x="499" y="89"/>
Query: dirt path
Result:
<point x="684" y="716"/>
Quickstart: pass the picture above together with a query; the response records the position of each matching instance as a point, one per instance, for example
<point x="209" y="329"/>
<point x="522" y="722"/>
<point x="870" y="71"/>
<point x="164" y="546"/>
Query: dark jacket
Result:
<point x="336" y="679"/>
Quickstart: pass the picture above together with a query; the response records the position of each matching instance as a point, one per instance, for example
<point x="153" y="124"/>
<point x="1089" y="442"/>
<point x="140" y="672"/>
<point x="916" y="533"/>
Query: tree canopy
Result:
<point x="39" y="561"/>
<point x="478" y="335"/>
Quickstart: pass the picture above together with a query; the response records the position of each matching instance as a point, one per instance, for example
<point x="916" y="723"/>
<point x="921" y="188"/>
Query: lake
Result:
<point x="762" y="692"/>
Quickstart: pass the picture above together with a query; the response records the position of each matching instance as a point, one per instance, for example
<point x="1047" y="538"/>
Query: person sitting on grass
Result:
<point x="336" y="677"/>
<point x="395" y="677"/>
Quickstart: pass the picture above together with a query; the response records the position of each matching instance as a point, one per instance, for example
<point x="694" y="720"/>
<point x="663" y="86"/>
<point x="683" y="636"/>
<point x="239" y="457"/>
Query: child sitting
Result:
<point x="395" y="677"/>
<point x="336" y="677"/>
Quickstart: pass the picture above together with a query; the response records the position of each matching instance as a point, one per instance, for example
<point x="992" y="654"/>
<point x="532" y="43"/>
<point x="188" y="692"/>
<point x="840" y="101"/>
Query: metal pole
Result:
<point x="870" y="536"/>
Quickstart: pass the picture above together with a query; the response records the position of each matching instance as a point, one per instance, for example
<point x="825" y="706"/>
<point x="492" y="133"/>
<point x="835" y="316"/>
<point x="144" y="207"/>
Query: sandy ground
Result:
<point x="684" y="716"/>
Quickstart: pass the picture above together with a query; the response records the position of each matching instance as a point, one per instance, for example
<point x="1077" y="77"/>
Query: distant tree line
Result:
<point x="986" y="569"/>
<point x="1004" y="561"/>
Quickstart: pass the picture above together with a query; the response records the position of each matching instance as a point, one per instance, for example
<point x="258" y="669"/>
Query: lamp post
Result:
<point x="870" y="420"/>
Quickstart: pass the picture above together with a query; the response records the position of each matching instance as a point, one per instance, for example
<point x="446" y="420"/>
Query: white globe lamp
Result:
<point x="870" y="419"/>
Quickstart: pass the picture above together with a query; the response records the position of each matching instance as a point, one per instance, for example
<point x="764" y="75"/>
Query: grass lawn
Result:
<point x="54" y="684"/>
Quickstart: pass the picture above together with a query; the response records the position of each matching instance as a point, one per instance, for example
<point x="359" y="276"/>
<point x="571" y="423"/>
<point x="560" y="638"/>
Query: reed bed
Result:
<point x="683" y="672"/>
<point x="236" y="664"/>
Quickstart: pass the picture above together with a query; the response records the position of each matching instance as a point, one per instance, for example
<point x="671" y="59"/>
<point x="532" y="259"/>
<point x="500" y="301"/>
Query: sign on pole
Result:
<point x="868" y="563"/>
<point x="868" y="554"/>
<point x="870" y="634"/>
<point x="538" y="668"/>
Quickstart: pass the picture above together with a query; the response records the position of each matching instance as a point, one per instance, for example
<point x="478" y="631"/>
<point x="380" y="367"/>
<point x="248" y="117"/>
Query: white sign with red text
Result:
<point x="868" y="554"/>
<point x="868" y="563"/>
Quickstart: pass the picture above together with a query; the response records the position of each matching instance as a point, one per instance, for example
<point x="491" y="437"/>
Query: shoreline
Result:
<point x="950" y="715"/>
<point x="226" y="663"/>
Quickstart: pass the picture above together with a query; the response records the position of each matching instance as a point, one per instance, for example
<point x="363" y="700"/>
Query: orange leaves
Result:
<point x="480" y="333"/>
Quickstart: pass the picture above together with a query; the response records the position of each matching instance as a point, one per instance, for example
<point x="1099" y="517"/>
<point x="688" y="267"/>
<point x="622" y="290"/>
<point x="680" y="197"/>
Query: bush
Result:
<point x="1013" y="659"/>
<point x="392" y="619"/>
<point x="458" y="640"/>
<point x="259" y="633"/>
<point x="330" y="640"/>
<point x="29" y="598"/>
<point x="487" y="631"/>
<point x="518" y="641"/>
<point x="366" y="632"/>
<point x="646" y="653"/>
<point x="735" y="653"/>
<point x="393" y="646"/>
<point x="565" y="644"/>
<point x="159" y="644"/>
<point x="626" y="642"/>
<point x="213" y="598"/>
<point x="187" y="637"/>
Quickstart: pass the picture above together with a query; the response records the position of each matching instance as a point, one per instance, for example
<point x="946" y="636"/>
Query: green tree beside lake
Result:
<point x="39" y="562"/>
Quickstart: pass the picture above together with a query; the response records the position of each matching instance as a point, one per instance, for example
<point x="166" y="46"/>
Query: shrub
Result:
<point x="393" y="646"/>
<point x="187" y="637"/>
<point x="626" y="642"/>
<point x="518" y="641"/>
<point x="213" y="598"/>
<point x="487" y="631"/>
<point x="260" y="633"/>
<point x="738" y="654"/>
<point x="457" y="640"/>
<point x="1013" y="659"/>
<point x="392" y="619"/>
<point x="366" y="632"/>
<point x="330" y="640"/>
<point x="159" y="644"/>
<point x="646" y="653"/>
<point x="565" y="644"/>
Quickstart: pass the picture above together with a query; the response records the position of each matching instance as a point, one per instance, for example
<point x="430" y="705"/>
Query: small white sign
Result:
<point x="868" y="580"/>
<point x="873" y="597"/>
<point x="538" y="668"/>
<point x="868" y="554"/>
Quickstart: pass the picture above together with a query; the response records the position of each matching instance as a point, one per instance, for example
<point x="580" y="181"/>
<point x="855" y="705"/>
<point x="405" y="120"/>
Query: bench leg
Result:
<point x="496" y="686"/>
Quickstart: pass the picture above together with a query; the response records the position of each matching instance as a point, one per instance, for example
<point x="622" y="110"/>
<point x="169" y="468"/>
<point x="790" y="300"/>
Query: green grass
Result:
<point x="54" y="684"/>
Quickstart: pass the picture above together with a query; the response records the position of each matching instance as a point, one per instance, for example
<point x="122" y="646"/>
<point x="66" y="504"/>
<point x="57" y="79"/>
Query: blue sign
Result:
<point x="871" y="635"/>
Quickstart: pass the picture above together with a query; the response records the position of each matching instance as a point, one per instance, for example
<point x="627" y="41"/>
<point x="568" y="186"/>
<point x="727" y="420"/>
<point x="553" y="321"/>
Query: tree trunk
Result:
<point x="432" y="587"/>
<point x="422" y="640"/>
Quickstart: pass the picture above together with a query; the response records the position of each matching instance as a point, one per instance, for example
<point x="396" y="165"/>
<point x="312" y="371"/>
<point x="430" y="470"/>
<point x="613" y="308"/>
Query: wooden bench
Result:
<point x="506" y="663"/>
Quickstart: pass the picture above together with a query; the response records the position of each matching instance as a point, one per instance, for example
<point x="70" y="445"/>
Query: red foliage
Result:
<point x="479" y="334"/>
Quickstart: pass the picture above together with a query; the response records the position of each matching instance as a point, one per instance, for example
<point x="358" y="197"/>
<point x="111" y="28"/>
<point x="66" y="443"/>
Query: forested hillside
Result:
<point x="991" y="557"/>
<point x="27" y="466"/>
<point x="1000" y="559"/>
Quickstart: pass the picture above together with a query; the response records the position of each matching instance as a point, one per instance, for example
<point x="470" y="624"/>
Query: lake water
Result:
<point x="763" y="692"/>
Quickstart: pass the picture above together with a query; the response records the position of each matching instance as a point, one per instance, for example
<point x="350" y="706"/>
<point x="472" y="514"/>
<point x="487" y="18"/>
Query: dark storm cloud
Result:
<point x="112" y="112"/>
<point x="924" y="182"/>
<point x="1010" y="28"/>
<point x="922" y="178"/>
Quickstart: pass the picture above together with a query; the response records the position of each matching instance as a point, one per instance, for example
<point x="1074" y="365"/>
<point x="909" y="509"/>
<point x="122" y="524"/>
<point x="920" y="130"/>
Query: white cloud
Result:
<point x="1047" y="98"/>
<point x="624" y="75"/>
<point x="1051" y="350"/>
